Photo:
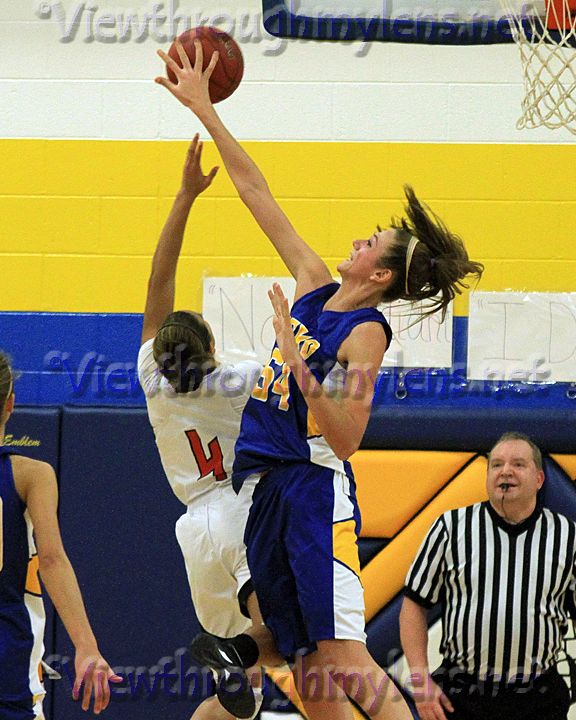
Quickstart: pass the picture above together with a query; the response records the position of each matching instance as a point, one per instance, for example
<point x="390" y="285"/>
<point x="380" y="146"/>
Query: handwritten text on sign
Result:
<point x="522" y="336"/>
<point x="240" y="314"/>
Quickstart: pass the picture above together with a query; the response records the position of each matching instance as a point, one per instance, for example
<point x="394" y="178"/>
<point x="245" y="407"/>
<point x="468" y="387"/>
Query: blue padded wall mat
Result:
<point x="35" y="432"/>
<point x="117" y="517"/>
<point x="467" y="428"/>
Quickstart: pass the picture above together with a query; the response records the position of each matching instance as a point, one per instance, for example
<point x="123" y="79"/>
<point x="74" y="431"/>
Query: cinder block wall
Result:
<point x="91" y="157"/>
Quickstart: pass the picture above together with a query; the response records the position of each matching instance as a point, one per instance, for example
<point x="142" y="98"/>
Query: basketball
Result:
<point x="229" y="68"/>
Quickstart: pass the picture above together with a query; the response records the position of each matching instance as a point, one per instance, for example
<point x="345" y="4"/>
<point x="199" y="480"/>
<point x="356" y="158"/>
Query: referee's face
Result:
<point x="513" y="474"/>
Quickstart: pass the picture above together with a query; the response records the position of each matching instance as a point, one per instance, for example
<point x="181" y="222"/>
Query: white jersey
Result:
<point x="196" y="431"/>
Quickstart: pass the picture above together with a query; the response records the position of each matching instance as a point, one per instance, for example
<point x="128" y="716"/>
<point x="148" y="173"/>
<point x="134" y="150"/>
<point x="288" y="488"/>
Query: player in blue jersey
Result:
<point x="298" y="429"/>
<point x="30" y="542"/>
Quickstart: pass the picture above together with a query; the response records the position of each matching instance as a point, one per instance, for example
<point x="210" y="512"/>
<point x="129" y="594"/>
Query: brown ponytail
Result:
<point x="182" y="350"/>
<point x="439" y="261"/>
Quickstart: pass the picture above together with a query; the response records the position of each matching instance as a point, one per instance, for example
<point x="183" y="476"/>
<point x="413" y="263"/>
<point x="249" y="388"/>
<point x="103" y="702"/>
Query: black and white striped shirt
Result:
<point x="507" y="590"/>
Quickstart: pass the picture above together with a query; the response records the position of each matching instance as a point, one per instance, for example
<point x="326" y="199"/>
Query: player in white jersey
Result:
<point x="30" y="543"/>
<point x="195" y="406"/>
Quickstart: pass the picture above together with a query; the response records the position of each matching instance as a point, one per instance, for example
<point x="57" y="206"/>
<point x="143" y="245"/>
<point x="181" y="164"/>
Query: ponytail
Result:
<point x="427" y="260"/>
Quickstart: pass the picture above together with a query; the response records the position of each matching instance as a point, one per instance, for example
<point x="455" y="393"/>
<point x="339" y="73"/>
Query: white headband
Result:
<point x="411" y="245"/>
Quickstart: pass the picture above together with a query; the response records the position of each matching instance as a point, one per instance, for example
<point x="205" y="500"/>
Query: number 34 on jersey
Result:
<point x="275" y="376"/>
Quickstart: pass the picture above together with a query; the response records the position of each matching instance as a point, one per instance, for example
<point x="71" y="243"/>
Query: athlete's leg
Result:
<point x="321" y="697"/>
<point x="241" y="658"/>
<point x="212" y="585"/>
<point x="268" y="652"/>
<point x="211" y="709"/>
<point x="349" y="665"/>
<point x="330" y="707"/>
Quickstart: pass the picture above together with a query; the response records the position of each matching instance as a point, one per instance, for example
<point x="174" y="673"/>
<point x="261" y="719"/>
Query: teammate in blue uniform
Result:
<point x="30" y="542"/>
<point x="298" y="431"/>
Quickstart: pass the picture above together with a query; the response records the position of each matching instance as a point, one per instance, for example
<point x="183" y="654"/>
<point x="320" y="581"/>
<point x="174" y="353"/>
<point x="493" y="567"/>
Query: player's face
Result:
<point x="512" y="472"/>
<point x="366" y="254"/>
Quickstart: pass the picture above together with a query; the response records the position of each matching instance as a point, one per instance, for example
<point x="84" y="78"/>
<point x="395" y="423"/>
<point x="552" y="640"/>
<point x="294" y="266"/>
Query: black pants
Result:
<point x="546" y="698"/>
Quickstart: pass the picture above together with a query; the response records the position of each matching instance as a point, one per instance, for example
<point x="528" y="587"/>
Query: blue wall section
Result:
<point x="117" y="515"/>
<point x="90" y="359"/>
<point x="80" y="359"/>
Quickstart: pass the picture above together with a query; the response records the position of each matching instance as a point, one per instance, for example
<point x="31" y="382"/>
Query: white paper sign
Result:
<point x="426" y="343"/>
<point x="529" y="337"/>
<point x="240" y="314"/>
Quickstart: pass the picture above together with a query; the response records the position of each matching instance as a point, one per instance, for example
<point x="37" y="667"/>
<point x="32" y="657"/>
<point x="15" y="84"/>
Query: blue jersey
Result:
<point x="21" y="614"/>
<point x="277" y="425"/>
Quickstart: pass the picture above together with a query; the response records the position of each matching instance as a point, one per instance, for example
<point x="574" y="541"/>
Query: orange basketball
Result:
<point x="230" y="67"/>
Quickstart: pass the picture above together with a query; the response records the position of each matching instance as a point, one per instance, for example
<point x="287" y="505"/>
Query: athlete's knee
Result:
<point x="342" y="652"/>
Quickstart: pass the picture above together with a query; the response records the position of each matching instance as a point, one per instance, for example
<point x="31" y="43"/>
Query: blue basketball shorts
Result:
<point x="17" y="710"/>
<point x="302" y="550"/>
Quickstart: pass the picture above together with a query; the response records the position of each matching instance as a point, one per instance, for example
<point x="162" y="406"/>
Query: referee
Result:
<point x="504" y="571"/>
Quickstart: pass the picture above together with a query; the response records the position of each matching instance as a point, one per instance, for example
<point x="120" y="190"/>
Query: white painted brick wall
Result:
<point x="308" y="91"/>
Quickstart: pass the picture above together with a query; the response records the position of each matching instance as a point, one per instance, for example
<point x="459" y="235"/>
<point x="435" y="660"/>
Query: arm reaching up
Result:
<point x="191" y="90"/>
<point x="162" y="282"/>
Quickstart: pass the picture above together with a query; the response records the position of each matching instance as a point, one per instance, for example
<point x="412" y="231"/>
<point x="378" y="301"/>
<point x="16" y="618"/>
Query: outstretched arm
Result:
<point x="36" y="485"/>
<point x="430" y="700"/>
<point x="162" y="282"/>
<point x="191" y="90"/>
<point x="342" y="423"/>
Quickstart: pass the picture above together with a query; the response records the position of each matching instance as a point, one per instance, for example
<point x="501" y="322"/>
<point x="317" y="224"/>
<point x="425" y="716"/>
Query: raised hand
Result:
<point x="283" y="326"/>
<point x="192" y="86"/>
<point x="194" y="181"/>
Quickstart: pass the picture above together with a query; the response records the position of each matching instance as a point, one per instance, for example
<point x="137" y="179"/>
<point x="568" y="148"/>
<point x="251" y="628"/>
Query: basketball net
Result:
<point x="547" y="42"/>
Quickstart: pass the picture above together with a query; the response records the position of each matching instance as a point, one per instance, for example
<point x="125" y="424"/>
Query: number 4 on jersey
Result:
<point x="213" y="464"/>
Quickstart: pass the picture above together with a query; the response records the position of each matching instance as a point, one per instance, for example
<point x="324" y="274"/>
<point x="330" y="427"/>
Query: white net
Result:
<point x="546" y="37"/>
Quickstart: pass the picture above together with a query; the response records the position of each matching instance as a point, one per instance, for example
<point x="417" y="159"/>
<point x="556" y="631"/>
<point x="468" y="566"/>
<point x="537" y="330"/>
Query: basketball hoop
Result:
<point x="546" y="37"/>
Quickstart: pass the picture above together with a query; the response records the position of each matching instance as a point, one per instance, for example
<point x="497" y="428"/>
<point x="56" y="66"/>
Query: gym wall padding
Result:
<point x="410" y="478"/>
<point x="117" y="515"/>
<point x="465" y="487"/>
<point x="568" y="464"/>
<point x="35" y="432"/>
<point x="473" y="420"/>
<point x="383" y="576"/>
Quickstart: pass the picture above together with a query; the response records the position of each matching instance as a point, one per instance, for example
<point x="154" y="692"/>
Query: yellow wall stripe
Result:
<point x="568" y="463"/>
<point x="392" y="485"/>
<point x="79" y="219"/>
